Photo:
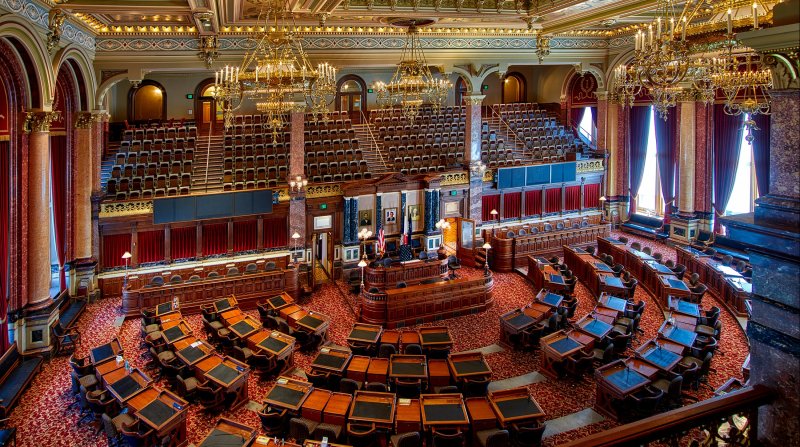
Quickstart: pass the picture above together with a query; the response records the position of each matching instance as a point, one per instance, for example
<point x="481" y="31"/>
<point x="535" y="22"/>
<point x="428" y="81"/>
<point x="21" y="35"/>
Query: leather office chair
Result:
<point x="349" y="386"/>
<point x="210" y="397"/>
<point x="647" y="402"/>
<point x="137" y="435"/>
<point x="412" y="349"/>
<point x="325" y="430"/>
<point x="698" y="292"/>
<point x="187" y="387"/>
<point x="363" y="435"/>
<point x="386" y="351"/>
<point x="447" y="438"/>
<point x="301" y="429"/>
<point x="529" y="435"/>
<point x="318" y="378"/>
<point x="377" y="387"/>
<point x="409" y="439"/>
<point x="272" y="420"/>
<point x="64" y="339"/>
<point x="636" y="246"/>
<point x="475" y="387"/>
<point x="579" y="364"/>
<point x="493" y="438"/>
<point x="408" y="388"/>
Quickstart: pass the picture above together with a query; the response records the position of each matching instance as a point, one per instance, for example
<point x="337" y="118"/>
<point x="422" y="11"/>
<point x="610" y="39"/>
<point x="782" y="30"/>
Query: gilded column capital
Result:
<point x="602" y="95"/>
<point x="83" y="120"/>
<point x="39" y="121"/>
<point x="473" y="100"/>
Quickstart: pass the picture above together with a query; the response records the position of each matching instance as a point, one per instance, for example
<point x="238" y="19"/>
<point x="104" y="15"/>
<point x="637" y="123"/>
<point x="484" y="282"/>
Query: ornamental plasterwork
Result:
<point x="318" y="191"/>
<point x="488" y="175"/>
<point x="122" y="209"/>
<point x="592" y="165"/>
<point x="454" y="178"/>
<point x="40" y="121"/>
<point x="39" y="15"/>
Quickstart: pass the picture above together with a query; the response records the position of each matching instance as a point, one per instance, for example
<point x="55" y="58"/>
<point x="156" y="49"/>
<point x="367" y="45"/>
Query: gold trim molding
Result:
<point x="39" y="121"/>
<point x="593" y="165"/>
<point x="123" y="209"/>
<point x="318" y="191"/>
<point x="454" y="178"/>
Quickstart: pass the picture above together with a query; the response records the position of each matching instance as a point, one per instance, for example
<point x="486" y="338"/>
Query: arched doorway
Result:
<point x="351" y="97"/>
<point x="205" y="104"/>
<point x="147" y="102"/>
<point x="514" y="88"/>
<point x="461" y="90"/>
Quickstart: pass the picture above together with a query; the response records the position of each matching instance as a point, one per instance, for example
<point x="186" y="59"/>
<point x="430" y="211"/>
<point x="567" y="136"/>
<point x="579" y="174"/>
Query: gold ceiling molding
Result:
<point x="123" y="209"/>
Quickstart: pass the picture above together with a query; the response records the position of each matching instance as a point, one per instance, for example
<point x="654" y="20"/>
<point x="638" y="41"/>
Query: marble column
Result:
<point x="602" y="120"/>
<point x="428" y="217"/>
<point x="38" y="208"/>
<point x="98" y="127"/>
<point x="297" y="203"/>
<point x="437" y="200"/>
<point x="472" y="136"/>
<point x="347" y="231"/>
<point x="354" y="219"/>
<point x="774" y="327"/>
<point x="378" y="212"/>
<point x="703" y="166"/>
<point x="686" y="159"/>
<point x="617" y="177"/>
<point x="82" y="187"/>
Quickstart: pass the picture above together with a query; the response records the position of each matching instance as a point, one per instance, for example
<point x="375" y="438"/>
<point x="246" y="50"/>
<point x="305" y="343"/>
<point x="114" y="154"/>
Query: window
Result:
<point x="586" y="126"/>
<point x="745" y="191"/>
<point x="649" y="200"/>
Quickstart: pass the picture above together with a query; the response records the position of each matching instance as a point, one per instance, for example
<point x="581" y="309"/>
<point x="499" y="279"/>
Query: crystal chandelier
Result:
<point x="627" y="87"/>
<point x="412" y="84"/>
<point x="276" y="74"/>
<point x="746" y="86"/>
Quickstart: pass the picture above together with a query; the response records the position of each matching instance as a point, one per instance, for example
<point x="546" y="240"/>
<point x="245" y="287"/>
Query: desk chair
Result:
<point x="603" y="356"/>
<point x="475" y="387"/>
<point x="697" y="293"/>
<point x="113" y="436"/>
<point x="273" y="421"/>
<point x="318" y="378"/>
<point x="412" y="349"/>
<point x="646" y="402"/>
<point x="623" y="239"/>
<point x="529" y="435"/>
<point x="325" y="430"/>
<point x="100" y="403"/>
<point x="408" y="388"/>
<point x="449" y="389"/>
<point x="658" y="256"/>
<point x="636" y="246"/>
<point x="301" y="429"/>
<point x="591" y="250"/>
<point x="187" y="387"/>
<point x="620" y="343"/>
<point x="386" y="351"/>
<point x="436" y="352"/>
<point x="379" y="387"/>
<point x="671" y="385"/>
<point x="136" y="435"/>
<point x="447" y="437"/>
<point x="363" y="435"/>
<point x="531" y="336"/>
<point x="578" y="364"/>
<point x="410" y="439"/>
<point x="358" y="348"/>
<point x="349" y="386"/>
<point x="64" y="339"/>
<point x="210" y="397"/>
<point x="647" y="250"/>
<point x="493" y="438"/>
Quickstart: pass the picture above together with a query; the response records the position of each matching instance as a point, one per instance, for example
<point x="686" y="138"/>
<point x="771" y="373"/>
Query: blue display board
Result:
<point x="536" y="175"/>
<point x="211" y="206"/>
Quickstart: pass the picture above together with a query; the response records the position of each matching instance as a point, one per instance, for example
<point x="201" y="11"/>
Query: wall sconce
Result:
<point x="298" y="184"/>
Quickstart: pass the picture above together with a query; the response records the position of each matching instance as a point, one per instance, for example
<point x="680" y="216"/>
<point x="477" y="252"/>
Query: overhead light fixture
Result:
<point x="413" y="84"/>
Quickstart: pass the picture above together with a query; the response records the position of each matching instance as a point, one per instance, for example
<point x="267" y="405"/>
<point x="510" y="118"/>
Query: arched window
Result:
<point x="514" y="88"/>
<point x="461" y="90"/>
<point x="147" y="102"/>
<point x="351" y="97"/>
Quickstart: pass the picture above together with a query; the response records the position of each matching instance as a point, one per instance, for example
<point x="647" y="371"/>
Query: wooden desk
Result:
<point x="677" y="335"/>
<point x="538" y="311"/>
<point x="613" y="302"/>
<point x="670" y="285"/>
<point x="331" y="360"/>
<point x="611" y="284"/>
<point x="105" y="351"/>
<point x="403" y="366"/>
<point x="311" y="322"/>
<point x="512" y="323"/>
<point x="616" y="381"/>
<point x="515" y="406"/>
<point x="162" y="411"/>
<point x="170" y="316"/>
<point x="480" y="413"/>
<point x="314" y="405"/>
<point x="438" y="372"/>
<point x="443" y="411"/>
<point x="605" y="314"/>
<point x="274" y="343"/>
<point x="357" y="368"/>
<point x="409" y="338"/>
<point x="225" y="304"/>
<point x="556" y="347"/>
<point x="180" y="330"/>
<point x="656" y="353"/>
<point x="285" y="311"/>
<point x="164" y="308"/>
<point x="231" y="315"/>
<point x="408" y="417"/>
<point x="108" y="366"/>
<point x="468" y="365"/>
<point x="594" y="326"/>
<point x="227" y="433"/>
<point x="736" y="292"/>
<point x="336" y="410"/>
<point x="365" y="333"/>
<point x="124" y="385"/>
<point x="391" y="337"/>
<point x="646" y="369"/>
<point x="583" y="338"/>
<point x="288" y="393"/>
<point x="372" y="407"/>
<point x="683" y="306"/>
<point x="550" y="299"/>
<point x="245" y="327"/>
<point x="651" y="270"/>
<point x="279" y="301"/>
<point x="191" y="350"/>
<point x="687" y="322"/>
<point x="227" y="373"/>
<point x="378" y="370"/>
<point x="435" y="336"/>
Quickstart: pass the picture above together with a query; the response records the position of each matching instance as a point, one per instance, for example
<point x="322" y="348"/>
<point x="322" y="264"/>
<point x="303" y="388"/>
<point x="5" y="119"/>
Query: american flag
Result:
<point x="381" y="241"/>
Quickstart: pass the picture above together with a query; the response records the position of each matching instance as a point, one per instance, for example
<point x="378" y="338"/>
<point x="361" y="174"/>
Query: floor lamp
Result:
<point x="126" y="256"/>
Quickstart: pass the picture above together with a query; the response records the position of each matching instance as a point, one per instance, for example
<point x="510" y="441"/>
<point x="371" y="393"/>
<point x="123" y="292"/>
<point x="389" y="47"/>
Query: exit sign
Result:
<point x="485" y="86"/>
<point x="369" y="90"/>
<point x="323" y="206"/>
<point x="189" y="96"/>
<point x="453" y="193"/>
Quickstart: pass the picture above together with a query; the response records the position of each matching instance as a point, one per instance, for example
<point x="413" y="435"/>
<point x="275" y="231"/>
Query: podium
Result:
<point x="406" y="253"/>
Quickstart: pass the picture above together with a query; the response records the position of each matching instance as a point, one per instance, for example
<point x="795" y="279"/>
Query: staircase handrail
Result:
<point x="517" y="140"/>
<point x="208" y="153"/>
<point x="372" y="138"/>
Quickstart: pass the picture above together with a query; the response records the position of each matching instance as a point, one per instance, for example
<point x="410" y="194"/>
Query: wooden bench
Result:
<point x="69" y="310"/>
<point x="17" y="373"/>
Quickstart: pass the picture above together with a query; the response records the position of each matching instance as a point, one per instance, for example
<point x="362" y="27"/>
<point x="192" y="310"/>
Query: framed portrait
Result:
<point x="364" y="218"/>
<point x="390" y="216"/>
<point x="413" y="211"/>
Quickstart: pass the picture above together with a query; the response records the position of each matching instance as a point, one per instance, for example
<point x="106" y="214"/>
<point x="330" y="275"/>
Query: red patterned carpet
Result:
<point x="42" y="417"/>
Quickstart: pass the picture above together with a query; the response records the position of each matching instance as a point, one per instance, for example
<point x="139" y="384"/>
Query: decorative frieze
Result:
<point x="592" y="165"/>
<point x="328" y="190"/>
<point x="454" y="178"/>
<point x="123" y="209"/>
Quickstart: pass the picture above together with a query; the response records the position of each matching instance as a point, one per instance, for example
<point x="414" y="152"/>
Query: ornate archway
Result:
<point x="351" y="97"/>
<point x="514" y="88"/>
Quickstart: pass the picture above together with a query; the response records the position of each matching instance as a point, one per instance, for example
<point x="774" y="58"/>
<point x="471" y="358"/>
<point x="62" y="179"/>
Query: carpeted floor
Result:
<point x="42" y="417"/>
